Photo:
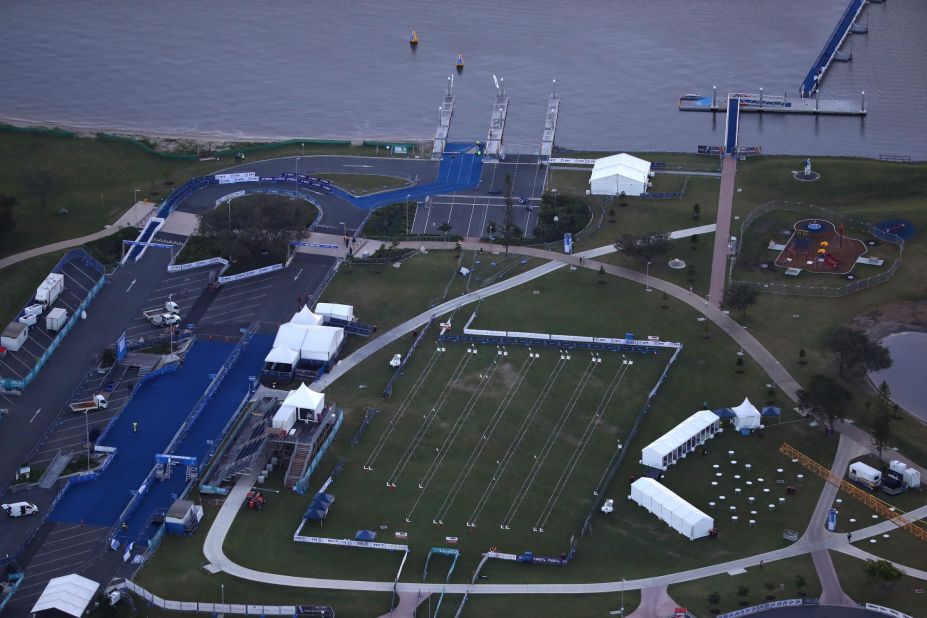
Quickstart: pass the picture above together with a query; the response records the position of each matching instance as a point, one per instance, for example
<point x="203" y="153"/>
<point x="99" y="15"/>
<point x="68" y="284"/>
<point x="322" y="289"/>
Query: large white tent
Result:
<point x="620" y="173"/>
<point x="314" y="343"/>
<point x="70" y="594"/>
<point x="305" y="316"/>
<point x="282" y="355"/>
<point x="290" y="336"/>
<point x="681" y="439"/>
<point x="303" y="404"/>
<point x="333" y="310"/>
<point x="746" y="416"/>
<point x="669" y="507"/>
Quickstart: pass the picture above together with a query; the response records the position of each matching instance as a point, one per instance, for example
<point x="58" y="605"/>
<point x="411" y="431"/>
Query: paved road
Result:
<point x="720" y="255"/>
<point x="137" y="213"/>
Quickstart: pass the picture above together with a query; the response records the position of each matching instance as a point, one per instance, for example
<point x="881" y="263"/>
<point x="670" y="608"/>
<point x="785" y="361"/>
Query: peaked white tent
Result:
<point x="746" y="416"/>
<point x="669" y="507"/>
<point x="70" y="594"/>
<point x="620" y="173"/>
<point x="681" y="439"/>
<point x="305" y="316"/>
<point x="304" y="403"/>
<point x="333" y="310"/>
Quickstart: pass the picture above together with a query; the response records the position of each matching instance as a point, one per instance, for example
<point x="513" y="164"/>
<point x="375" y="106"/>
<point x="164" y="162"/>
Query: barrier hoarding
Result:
<point x="251" y="273"/>
<point x="485" y="333"/>
<point x="227" y="179"/>
<point x="579" y="338"/>
<point x="521" y="335"/>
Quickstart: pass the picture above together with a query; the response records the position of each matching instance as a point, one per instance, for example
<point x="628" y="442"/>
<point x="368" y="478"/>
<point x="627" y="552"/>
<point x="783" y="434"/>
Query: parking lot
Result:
<point x="183" y="288"/>
<point x="78" y="280"/>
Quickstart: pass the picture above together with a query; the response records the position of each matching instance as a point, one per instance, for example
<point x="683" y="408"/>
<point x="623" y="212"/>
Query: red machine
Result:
<point x="255" y="500"/>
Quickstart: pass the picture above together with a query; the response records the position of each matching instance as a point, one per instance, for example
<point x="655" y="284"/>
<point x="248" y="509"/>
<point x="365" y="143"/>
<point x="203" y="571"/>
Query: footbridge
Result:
<point x="444" y="120"/>
<point x="500" y="109"/>
<point x="732" y="125"/>
<point x="812" y="81"/>
<point x="550" y="124"/>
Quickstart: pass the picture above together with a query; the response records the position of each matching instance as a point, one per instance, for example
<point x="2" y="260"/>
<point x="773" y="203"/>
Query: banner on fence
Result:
<point x="522" y="335"/>
<point x="569" y="161"/>
<point x="314" y="245"/>
<point x="227" y="179"/>
<point x="138" y="243"/>
<point x="251" y="273"/>
<point x="888" y="611"/>
<point x="230" y="197"/>
<point x="762" y="607"/>
<point x="321" y="540"/>
<point x="176" y="268"/>
<point x="485" y="333"/>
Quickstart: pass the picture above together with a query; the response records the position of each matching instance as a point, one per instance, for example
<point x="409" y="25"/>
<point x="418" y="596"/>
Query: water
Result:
<point x="344" y="70"/>
<point x="905" y="378"/>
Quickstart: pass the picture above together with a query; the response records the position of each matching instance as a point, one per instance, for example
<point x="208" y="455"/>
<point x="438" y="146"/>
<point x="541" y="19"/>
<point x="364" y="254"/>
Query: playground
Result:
<point x="819" y="246"/>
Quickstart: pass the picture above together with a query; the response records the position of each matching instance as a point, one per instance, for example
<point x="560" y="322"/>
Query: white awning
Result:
<point x="332" y="310"/>
<point x="306" y="399"/>
<point x="290" y="336"/>
<point x="70" y="594"/>
<point x="746" y="416"/>
<point x="305" y="316"/>
<point x="689" y="433"/>
<point x="321" y="343"/>
<point x="282" y="354"/>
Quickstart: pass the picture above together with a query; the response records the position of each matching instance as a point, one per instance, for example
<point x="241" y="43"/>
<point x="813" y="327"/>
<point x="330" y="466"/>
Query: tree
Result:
<point x="646" y="247"/>
<point x="742" y="592"/>
<point x="714" y="598"/>
<point x="800" y="581"/>
<point x="7" y="216"/>
<point x="41" y="182"/>
<point x="824" y="397"/>
<point x="444" y="228"/>
<point x="801" y="357"/>
<point x="881" y="419"/>
<point x="611" y="214"/>
<point x="854" y="350"/>
<point x="740" y="297"/>
<point x="696" y="212"/>
<point x="882" y="570"/>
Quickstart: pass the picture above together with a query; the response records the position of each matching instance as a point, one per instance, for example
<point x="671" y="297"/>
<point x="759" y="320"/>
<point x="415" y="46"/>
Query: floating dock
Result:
<point x="444" y="120"/>
<point x="500" y="110"/>
<point x="760" y="103"/>
<point x="550" y="124"/>
<point x="845" y="26"/>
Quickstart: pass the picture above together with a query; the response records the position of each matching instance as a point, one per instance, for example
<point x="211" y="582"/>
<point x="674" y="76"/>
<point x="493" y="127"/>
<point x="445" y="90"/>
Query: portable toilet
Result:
<point x="912" y="478"/>
<point x="183" y="517"/>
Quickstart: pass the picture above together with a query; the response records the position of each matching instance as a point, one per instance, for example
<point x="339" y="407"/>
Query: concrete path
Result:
<point x="655" y="603"/>
<point x="408" y="603"/>
<point x="693" y="231"/>
<point x="723" y="233"/>
<point x="139" y="212"/>
<point x="856" y="552"/>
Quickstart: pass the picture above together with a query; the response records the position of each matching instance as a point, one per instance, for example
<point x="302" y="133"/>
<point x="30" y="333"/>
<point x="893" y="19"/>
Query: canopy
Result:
<point x="771" y="411"/>
<point x="315" y="514"/>
<point x="321" y="498"/>
<point x="746" y="416"/>
<point x="365" y="535"/>
<point x="620" y="173"/>
<point x="305" y="316"/>
<point x="305" y="398"/>
<point x="282" y="354"/>
<point x="681" y="439"/>
<point x="333" y="310"/>
<point x="321" y="343"/>
<point x="290" y="336"/>
<point x="669" y="507"/>
<point x="70" y="594"/>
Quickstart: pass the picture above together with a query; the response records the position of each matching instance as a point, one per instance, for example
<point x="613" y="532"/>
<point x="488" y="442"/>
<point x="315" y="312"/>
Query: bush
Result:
<point x="572" y="212"/>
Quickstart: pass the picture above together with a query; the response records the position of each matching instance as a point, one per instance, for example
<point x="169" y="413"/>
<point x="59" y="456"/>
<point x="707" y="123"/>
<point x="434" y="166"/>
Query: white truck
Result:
<point x="18" y="509"/>
<point x="49" y="290"/>
<point x="865" y="475"/>
<point x="56" y="319"/>
<point x="164" y="316"/>
<point x="97" y="403"/>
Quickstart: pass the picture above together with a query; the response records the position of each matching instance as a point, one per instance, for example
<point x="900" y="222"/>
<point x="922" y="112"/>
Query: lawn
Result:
<point x="697" y="256"/>
<point x="20" y="281"/>
<point x="578" y="605"/>
<point x="905" y="595"/>
<point x="362" y="184"/>
<point x="778" y="580"/>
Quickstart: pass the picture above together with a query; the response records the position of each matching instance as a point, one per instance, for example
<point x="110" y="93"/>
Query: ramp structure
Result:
<point x="444" y="120"/>
<point x="500" y="110"/>
<point x="550" y="124"/>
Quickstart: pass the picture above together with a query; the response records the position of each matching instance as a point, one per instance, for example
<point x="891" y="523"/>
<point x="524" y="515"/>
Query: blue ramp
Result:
<point x="455" y="173"/>
<point x="159" y="407"/>
<point x="732" y="124"/>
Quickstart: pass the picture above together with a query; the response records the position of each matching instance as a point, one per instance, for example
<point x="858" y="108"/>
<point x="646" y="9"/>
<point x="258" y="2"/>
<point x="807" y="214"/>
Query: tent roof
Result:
<point x="282" y="354"/>
<point x="321" y="498"/>
<point x="334" y="310"/>
<point x="681" y="433"/>
<point x="290" y="336"/>
<point x="318" y="513"/>
<point x="305" y="316"/>
<point x="305" y="398"/>
<point x="623" y="164"/>
<point x="771" y="411"/>
<point x="365" y="535"/>
<point x="321" y="342"/>
<point x="70" y="594"/>
<point x="746" y="410"/>
<point x="668" y="502"/>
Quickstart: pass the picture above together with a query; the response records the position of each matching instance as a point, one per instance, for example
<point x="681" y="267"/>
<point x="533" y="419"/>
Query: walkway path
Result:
<point x="655" y="601"/>
<point x="723" y="234"/>
<point x="138" y="212"/>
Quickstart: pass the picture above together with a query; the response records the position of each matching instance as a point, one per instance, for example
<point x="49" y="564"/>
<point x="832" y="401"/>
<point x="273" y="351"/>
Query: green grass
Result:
<point x="901" y="595"/>
<point x="693" y="595"/>
<point x="697" y="256"/>
<point x="362" y="184"/>
<point x="20" y="281"/>
<point x="108" y="250"/>
<point x="579" y="605"/>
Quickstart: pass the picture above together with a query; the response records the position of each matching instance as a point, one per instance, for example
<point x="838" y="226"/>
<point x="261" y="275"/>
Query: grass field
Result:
<point x="782" y="574"/>
<point x="20" y="281"/>
<point x="906" y="595"/>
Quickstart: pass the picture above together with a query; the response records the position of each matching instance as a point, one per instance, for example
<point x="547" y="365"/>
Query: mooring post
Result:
<point x="714" y="96"/>
<point x="862" y="101"/>
<point x="761" y="97"/>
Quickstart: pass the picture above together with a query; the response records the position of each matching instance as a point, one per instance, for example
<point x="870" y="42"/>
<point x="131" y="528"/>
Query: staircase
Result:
<point x="298" y="462"/>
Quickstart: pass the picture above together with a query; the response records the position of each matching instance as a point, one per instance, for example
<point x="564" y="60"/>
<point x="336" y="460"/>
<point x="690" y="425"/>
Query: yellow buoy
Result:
<point x="460" y="63"/>
<point x="413" y="39"/>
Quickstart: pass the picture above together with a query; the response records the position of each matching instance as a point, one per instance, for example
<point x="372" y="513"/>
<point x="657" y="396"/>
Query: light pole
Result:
<point x="407" y="213"/>
<point x="647" y="277"/>
<point x="135" y="199"/>
<point x="222" y="593"/>
<point x="87" y="430"/>
<point x="621" y="609"/>
<point x="303" y="146"/>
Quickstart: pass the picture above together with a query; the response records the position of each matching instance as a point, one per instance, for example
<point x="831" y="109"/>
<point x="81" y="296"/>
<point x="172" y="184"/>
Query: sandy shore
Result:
<point x="169" y="141"/>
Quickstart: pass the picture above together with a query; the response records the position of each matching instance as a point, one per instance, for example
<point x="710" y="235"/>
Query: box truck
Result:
<point x="50" y="289"/>
<point x="97" y="403"/>
<point x="56" y="319"/>
<point x="865" y="475"/>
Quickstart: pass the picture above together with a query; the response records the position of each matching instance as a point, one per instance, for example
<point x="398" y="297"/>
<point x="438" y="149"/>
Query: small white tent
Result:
<point x="282" y="355"/>
<point x="620" y="173"/>
<point x="746" y="416"/>
<point x="332" y="310"/>
<point x="669" y="507"/>
<point x="70" y="594"/>
<point x="321" y="343"/>
<point x="305" y="316"/>
<point x="307" y="404"/>
<point x="681" y="439"/>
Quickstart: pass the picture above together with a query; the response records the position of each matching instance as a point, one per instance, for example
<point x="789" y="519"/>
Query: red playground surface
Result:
<point x="817" y="245"/>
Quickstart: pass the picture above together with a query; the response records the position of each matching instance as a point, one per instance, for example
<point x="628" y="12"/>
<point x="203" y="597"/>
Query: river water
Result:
<point x="905" y="377"/>
<point x="294" y="68"/>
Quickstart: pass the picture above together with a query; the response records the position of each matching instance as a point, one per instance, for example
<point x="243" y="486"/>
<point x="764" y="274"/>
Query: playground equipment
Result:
<point x="882" y="508"/>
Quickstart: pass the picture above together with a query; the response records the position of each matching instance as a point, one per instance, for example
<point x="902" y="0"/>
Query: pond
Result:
<point x="905" y="378"/>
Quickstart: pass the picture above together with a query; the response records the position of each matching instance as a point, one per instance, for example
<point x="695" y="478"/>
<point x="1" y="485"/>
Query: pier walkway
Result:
<point x="816" y="74"/>
<point x="550" y="124"/>
<point x="444" y="120"/>
<point x="758" y="103"/>
<point x="500" y="109"/>
<point x="722" y="231"/>
<point x="731" y="124"/>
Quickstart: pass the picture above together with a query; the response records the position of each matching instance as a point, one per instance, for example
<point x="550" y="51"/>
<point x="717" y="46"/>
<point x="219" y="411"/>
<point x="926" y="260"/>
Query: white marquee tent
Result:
<point x="305" y="316"/>
<point x="290" y="336"/>
<point x="315" y="343"/>
<point x="746" y="416"/>
<point x="332" y="310"/>
<point x="620" y="173"/>
<point x="681" y="439"/>
<point x="282" y="355"/>
<point x="669" y="507"/>
<point x="70" y="594"/>
<point x="303" y="403"/>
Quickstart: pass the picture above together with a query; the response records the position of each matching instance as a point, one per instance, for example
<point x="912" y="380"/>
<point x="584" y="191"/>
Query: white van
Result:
<point x="18" y="509"/>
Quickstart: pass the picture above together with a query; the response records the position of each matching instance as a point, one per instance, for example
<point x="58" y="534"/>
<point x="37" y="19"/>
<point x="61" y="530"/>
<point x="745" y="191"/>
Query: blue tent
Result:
<point x="365" y="535"/>
<point x="321" y="498"/>
<point x="724" y="413"/>
<point x="313" y="514"/>
<point x="771" y="411"/>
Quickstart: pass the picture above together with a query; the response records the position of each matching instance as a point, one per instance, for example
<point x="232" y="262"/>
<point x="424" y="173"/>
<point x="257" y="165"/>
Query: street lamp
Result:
<point x="135" y="199"/>
<point x="407" y="213"/>
<point x="222" y="593"/>
<point x="554" y="191"/>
